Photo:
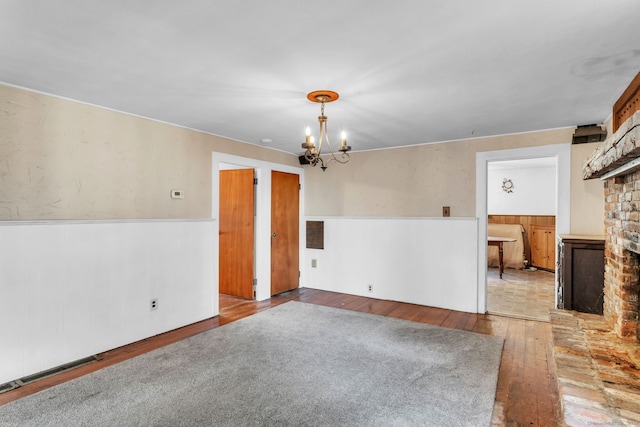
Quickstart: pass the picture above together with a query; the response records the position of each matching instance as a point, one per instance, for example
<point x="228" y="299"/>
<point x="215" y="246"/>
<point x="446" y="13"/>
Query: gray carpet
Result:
<point x="293" y="365"/>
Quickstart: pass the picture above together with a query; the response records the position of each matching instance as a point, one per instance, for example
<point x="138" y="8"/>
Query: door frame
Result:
<point x="263" y="214"/>
<point x="562" y="153"/>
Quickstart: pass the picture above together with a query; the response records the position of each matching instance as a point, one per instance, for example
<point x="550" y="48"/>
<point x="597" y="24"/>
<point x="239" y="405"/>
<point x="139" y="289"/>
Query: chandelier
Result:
<point x="313" y="153"/>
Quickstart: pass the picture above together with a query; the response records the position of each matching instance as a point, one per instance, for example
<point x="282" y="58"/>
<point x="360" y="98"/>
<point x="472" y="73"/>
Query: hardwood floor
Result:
<point x="526" y="395"/>
<point x="525" y="294"/>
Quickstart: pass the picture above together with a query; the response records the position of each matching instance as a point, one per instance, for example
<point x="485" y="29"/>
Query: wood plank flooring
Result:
<point x="521" y="293"/>
<point x="526" y="395"/>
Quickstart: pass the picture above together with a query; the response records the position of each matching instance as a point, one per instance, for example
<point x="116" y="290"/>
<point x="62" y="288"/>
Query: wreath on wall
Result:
<point x="507" y="185"/>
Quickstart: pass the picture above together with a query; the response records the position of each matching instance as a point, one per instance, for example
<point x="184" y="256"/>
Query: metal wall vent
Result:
<point x="43" y="374"/>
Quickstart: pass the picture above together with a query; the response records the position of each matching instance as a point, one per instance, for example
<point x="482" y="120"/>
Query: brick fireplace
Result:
<point x="617" y="161"/>
<point x="622" y="228"/>
<point x="598" y="357"/>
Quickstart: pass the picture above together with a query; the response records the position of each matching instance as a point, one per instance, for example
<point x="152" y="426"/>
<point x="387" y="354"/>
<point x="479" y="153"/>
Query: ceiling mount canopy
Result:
<point x="312" y="154"/>
<point x="322" y="96"/>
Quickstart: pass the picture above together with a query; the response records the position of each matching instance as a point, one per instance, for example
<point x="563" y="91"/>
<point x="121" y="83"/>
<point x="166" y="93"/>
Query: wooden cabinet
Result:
<point x="543" y="247"/>
<point x="581" y="273"/>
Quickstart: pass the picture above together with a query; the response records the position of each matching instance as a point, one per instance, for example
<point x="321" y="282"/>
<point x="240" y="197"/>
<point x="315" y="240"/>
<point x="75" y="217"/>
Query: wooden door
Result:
<point x="538" y="247"/>
<point x="551" y="249"/>
<point x="543" y="253"/>
<point x="285" y="224"/>
<point x="236" y="233"/>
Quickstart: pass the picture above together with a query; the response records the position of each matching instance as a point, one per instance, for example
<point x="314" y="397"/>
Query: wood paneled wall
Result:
<point x="527" y="221"/>
<point x="627" y="104"/>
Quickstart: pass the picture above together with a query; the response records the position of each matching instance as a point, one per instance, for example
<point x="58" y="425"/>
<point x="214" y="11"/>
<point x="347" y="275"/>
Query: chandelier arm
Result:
<point x="345" y="158"/>
<point x="345" y="155"/>
<point x="327" y="138"/>
<point x="333" y="155"/>
<point x="321" y="134"/>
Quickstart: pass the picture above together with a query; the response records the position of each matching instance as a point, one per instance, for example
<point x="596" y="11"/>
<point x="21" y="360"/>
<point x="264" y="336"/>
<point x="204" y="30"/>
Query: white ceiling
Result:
<point x="408" y="71"/>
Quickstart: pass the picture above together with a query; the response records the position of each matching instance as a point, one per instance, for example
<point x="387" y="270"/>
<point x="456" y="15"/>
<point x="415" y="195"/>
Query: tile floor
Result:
<point x="527" y="294"/>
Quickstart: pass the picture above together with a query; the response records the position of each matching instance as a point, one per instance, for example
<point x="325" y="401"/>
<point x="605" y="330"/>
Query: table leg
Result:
<point x="501" y="267"/>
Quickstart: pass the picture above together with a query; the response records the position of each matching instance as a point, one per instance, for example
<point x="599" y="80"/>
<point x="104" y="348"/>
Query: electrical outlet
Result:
<point x="370" y="288"/>
<point x="154" y="304"/>
<point x="314" y="263"/>
<point x="446" y="211"/>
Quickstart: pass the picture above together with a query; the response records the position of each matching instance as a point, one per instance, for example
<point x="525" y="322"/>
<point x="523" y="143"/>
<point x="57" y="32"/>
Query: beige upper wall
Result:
<point x="587" y="197"/>
<point x="66" y="160"/>
<point x="420" y="180"/>
<point x="61" y="159"/>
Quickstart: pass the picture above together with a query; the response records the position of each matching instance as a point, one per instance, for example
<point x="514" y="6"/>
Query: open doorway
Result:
<point x="521" y="207"/>
<point x="562" y="154"/>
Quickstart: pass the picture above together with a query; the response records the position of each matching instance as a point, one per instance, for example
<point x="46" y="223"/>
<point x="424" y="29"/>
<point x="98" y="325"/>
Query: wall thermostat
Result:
<point x="177" y="194"/>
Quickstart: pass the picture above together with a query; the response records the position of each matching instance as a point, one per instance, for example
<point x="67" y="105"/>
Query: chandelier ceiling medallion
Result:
<point x="313" y="153"/>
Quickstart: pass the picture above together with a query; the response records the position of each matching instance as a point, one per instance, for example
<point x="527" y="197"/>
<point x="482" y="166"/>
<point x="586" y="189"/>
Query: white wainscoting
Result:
<point x="71" y="289"/>
<point x="426" y="261"/>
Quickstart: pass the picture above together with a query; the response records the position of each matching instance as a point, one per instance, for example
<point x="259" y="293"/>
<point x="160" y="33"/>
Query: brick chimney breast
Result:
<point x="617" y="161"/>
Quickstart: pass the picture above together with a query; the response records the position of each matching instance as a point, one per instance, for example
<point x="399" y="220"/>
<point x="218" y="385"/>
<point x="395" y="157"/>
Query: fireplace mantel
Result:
<point x="619" y="154"/>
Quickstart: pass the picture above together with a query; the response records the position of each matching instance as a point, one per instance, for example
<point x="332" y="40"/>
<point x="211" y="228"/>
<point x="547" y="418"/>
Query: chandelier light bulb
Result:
<point x="309" y="142"/>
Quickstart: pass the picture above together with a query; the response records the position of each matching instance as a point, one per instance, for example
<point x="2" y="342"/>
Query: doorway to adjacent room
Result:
<point x="521" y="207"/>
<point x="498" y="295"/>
